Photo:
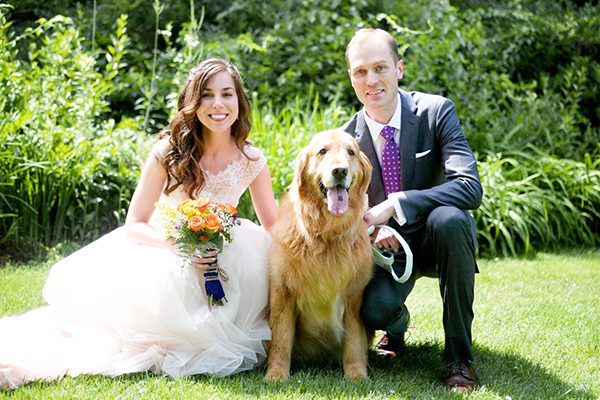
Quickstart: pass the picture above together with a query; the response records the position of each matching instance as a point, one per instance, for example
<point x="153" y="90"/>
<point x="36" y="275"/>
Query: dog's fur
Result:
<point x="321" y="260"/>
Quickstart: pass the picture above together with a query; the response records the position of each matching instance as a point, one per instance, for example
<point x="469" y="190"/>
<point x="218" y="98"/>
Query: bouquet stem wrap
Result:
<point x="213" y="275"/>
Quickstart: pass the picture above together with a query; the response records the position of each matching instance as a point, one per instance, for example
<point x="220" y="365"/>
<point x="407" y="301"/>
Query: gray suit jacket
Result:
<point x="437" y="164"/>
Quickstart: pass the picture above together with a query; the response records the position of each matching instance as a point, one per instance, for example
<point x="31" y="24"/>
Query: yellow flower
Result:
<point x="185" y="204"/>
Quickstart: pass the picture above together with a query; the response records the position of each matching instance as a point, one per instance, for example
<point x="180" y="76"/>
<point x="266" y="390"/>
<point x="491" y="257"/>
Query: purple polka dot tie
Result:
<point x="390" y="162"/>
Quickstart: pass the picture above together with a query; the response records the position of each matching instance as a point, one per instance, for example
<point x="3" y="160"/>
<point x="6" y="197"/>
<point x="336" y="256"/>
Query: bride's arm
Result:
<point x="263" y="200"/>
<point x="146" y="194"/>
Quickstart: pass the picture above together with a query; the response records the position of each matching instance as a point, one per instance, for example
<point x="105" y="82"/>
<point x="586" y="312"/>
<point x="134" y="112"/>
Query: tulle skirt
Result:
<point x="116" y="307"/>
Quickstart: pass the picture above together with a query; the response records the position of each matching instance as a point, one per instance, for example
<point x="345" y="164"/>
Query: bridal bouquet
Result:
<point x="198" y="226"/>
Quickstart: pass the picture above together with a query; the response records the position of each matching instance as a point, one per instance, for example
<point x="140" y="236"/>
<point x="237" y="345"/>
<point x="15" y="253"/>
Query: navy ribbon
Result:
<point x="213" y="286"/>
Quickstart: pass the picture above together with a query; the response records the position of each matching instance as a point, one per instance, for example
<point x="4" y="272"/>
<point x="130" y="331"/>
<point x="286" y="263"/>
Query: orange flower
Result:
<point x="196" y="223"/>
<point x="228" y="208"/>
<point x="212" y="222"/>
<point x="202" y="204"/>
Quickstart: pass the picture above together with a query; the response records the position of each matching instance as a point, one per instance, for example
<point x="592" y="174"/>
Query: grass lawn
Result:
<point x="536" y="335"/>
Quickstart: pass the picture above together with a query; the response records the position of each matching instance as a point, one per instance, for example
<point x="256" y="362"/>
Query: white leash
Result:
<point x="386" y="261"/>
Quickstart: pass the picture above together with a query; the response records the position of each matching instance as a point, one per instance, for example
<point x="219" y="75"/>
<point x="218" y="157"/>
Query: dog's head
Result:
<point x="333" y="171"/>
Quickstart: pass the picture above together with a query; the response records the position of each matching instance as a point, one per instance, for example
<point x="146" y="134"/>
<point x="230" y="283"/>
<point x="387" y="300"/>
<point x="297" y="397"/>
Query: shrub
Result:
<point x="62" y="168"/>
<point x="535" y="202"/>
<point x="535" y="77"/>
<point x="72" y="119"/>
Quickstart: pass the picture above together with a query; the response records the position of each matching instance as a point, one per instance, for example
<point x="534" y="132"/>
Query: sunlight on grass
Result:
<point x="535" y="332"/>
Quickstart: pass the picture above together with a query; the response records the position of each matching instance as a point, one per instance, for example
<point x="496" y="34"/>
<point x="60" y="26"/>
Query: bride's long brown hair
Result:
<point x="186" y="144"/>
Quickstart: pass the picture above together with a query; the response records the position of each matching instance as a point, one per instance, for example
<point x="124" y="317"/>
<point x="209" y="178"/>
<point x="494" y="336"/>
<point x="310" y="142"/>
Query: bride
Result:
<point x="124" y="304"/>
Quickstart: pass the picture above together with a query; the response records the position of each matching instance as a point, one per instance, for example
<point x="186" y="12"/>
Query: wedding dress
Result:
<point x="117" y="307"/>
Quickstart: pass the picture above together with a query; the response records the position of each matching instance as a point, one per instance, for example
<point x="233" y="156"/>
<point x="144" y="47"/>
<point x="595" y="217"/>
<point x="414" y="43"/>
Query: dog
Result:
<point x="320" y="259"/>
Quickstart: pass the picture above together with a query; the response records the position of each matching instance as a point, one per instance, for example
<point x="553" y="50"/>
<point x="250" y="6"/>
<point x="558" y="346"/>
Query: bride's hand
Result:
<point x="209" y="258"/>
<point x="170" y="245"/>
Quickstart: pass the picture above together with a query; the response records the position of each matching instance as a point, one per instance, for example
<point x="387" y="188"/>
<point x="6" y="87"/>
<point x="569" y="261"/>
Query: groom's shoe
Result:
<point x="461" y="377"/>
<point x="390" y="346"/>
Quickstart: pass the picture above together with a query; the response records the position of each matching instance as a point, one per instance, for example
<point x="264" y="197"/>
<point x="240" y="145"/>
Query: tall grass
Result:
<point x="533" y="201"/>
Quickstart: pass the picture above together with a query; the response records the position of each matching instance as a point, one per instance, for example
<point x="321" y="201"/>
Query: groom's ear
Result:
<point x="400" y="68"/>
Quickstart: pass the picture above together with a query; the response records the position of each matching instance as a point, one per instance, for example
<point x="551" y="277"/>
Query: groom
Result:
<point x="423" y="182"/>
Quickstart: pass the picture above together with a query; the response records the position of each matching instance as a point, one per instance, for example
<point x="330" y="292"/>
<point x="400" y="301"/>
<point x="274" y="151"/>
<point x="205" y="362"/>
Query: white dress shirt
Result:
<point x="378" y="142"/>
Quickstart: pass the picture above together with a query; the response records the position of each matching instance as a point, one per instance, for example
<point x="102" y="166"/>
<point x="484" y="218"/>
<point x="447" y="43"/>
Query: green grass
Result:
<point x="536" y="334"/>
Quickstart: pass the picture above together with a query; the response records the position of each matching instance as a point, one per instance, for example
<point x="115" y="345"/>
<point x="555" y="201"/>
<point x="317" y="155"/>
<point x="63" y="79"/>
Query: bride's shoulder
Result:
<point x="161" y="147"/>
<point x="253" y="152"/>
<point x="256" y="160"/>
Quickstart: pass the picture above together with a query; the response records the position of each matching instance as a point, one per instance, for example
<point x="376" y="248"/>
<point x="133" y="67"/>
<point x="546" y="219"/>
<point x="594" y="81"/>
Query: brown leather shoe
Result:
<point x="390" y="346"/>
<point x="461" y="377"/>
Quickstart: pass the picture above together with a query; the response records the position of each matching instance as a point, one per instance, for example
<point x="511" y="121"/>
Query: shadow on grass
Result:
<point x="417" y="374"/>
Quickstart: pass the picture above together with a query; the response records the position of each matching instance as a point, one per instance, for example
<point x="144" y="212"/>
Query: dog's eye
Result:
<point x="351" y="152"/>
<point x="322" y="151"/>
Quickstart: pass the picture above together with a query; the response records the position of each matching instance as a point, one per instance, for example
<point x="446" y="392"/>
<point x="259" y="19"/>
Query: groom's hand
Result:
<point x="386" y="240"/>
<point x="380" y="214"/>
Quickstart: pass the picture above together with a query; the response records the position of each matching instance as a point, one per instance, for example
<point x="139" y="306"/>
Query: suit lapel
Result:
<point x="365" y="142"/>
<point x="408" y="139"/>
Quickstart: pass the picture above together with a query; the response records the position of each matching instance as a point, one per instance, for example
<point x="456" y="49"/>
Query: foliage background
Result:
<point x="86" y="86"/>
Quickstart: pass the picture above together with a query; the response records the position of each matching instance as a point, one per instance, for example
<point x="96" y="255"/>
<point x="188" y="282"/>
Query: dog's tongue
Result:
<point x="337" y="200"/>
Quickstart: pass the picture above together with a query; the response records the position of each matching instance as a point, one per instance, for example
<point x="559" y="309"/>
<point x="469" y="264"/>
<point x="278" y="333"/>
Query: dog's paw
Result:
<point x="355" y="372"/>
<point x="277" y="374"/>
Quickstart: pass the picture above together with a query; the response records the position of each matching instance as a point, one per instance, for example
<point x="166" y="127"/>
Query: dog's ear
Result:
<point x="300" y="169"/>
<point x="365" y="172"/>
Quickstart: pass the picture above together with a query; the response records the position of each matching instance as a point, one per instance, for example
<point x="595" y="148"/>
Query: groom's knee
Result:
<point x="450" y="224"/>
<point x="379" y="311"/>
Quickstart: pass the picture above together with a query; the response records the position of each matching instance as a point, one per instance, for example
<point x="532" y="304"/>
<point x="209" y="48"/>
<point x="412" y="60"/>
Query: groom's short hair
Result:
<point x="363" y="35"/>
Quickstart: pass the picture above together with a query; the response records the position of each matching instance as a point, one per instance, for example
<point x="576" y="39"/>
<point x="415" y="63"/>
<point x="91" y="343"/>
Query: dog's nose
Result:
<point x="339" y="173"/>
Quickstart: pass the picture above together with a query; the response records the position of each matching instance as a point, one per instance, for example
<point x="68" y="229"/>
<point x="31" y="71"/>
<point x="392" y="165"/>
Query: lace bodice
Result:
<point x="226" y="186"/>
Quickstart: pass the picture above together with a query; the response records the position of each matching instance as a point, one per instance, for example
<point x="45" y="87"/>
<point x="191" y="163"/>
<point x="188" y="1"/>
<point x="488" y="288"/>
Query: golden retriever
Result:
<point x="320" y="259"/>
